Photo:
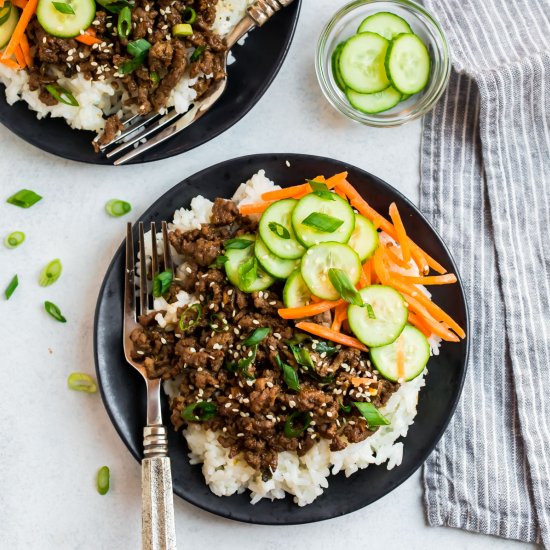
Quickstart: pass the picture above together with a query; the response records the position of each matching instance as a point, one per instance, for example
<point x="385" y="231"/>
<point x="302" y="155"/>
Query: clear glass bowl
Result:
<point x="344" y="25"/>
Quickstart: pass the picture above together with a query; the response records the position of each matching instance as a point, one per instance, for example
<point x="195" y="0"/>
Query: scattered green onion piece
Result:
<point x="162" y="282"/>
<point x="189" y="15"/>
<point x="124" y="24"/>
<point x="321" y="190"/>
<point x="11" y="287"/>
<point x="50" y="273"/>
<point x="190" y="317"/>
<point x="289" y="374"/>
<point x="138" y="50"/>
<point x="219" y="261"/>
<point x="345" y="408"/>
<point x="62" y="95"/>
<point x="371" y="414"/>
<point x="117" y="208"/>
<point x="343" y="285"/>
<point x="155" y="78"/>
<point x="200" y="412"/>
<point x="257" y="336"/>
<point x="279" y="230"/>
<point x="370" y="311"/>
<point x="297" y="423"/>
<point x="115" y="6"/>
<point x="196" y="55"/>
<point x="103" y="480"/>
<point x="54" y="311"/>
<point x="182" y="29"/>
<point x="322" y="222"/>
<point x="79" y="381"/>
<point x="324" y="347"/>
<point x="248" y="272"/>
<point x="24" y="198"/>
<point x="237" y="244"/>
<point x="14" y="239"/>
<point x="5" y="13"/>
<point x="245" y="363"/>
<point x="64" y="8"/>
<point x="218" y="323"/>
<point x="138" y="47"/>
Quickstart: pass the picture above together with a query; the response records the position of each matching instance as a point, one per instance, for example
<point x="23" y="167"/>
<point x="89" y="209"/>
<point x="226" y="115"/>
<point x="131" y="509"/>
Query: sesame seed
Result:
<point x="292" y="403"/>
<point x="240" y="435"/>
<point x="256" y="322"/>
<point x="329" y="414"/>
<point x="139" y="352"/>
<point x="230" y="292"/>
<point x="273" y="303"/>
<point x="163" y="340"/>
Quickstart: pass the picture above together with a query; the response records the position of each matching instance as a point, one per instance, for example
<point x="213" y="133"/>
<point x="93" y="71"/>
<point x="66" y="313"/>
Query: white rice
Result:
<point x="303" y="477"/>
<point x="99" y="99"/>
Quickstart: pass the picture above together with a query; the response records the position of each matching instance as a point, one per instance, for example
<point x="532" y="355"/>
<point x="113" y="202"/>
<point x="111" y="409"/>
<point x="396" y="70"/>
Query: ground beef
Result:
<point x="113" y="126"/>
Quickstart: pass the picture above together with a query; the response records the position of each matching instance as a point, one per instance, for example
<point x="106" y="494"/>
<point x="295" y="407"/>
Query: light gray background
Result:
<point x="54" y="440"/>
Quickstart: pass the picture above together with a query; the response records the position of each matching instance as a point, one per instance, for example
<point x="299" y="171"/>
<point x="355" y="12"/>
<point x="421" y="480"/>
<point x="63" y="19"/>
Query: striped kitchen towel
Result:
<point x="486" y="187"/>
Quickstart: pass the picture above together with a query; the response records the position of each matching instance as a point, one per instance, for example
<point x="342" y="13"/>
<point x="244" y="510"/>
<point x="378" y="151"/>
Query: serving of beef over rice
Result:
<point x="245" y="372"/>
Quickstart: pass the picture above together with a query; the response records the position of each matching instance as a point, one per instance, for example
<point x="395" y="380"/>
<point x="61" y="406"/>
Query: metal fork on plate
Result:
<point x="158" y="528"/>
<point x="138" y="129"/>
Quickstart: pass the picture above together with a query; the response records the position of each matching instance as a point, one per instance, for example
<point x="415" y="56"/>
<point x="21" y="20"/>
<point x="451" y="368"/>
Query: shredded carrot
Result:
<point x="20" y="57"/>
<point x="88" y="39"/>
<point x="447" y="279"/>
<point x="316" y="299"/>
<point x="361" y="381"/>
<point x="367" y="271"/>
<point x="363" y="280"/>
<point x="296" y="191"/>
<point x="26" y="14"/>
<point x="10" y="63"/>
<point x="400" y="358"/>
<point x="420" y="261"/>
<point x="1" y="3"/>
<point x="379" y="267"/>
<point x="333" y="336"/>
<point x="401" y="232"/>
<point x="395" y="258"/>
<point x="254" y="208"/>
<point x="19" y="3"/>
<point x="417" y="322"/>
<point x="340" y="315"/>
<point x="25" y="48"/>
<point x="308" y="311"/>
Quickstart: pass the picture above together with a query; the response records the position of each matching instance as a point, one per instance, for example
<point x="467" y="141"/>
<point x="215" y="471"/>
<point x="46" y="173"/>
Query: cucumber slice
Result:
<point x="385" y="24"/>
<point x="7" y="28"/>
<point x="390" y="313"/>
<point x="296" y="293"/>
<point x="364" y="239"/>
<point x="362" y="63"/>
<point x="280" y="214"/>
<point x="64" y="25"/>
<point x="416" y="350"/>
<point x="374" y="103"/>
<point x="273" y="265"/>
<point x="319" y="259"/>
<point x="235" y="259"/>
<point x="408" y="64"/>
<point x="337" y="208"/>
<point x="335" y="63"/>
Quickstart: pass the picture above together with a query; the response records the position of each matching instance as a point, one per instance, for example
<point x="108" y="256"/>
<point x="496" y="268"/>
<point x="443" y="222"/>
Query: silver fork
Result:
<point x="138" y="128"/>
<point x="158" y="528"/>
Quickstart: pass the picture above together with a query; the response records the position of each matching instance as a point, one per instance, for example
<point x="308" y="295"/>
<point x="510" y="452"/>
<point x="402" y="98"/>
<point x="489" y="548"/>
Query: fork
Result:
<point x="158" y="527"/>
<point x="137" y="129"/>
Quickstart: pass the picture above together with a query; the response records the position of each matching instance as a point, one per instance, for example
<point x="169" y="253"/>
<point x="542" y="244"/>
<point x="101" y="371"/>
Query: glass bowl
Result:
<point x="344" y="25"/>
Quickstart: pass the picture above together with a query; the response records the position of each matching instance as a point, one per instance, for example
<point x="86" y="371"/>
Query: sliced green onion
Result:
<point x="200" y="412"/>
<point x="64" y="8"/>
<point x="130" y="66"/>
<point x="371" y="414"/>
<point x="301" y="356"/>
<point x="50" y="274"/>
<point x="79" y="381"/>
<point x="138" y="47"/>
<point x="370" y="311"/>
<point x="297" y="423"/>
<point x="24" y="198"/>
<point x="11" y="287"/>
<point x="115" y="6"/>
<point x="218" y="323"/>
<point x="289" y="374"/>
<point x="62" y="95"/>
<point x="124" y="24"/>
<point x="54" y="311"/>
<point x="237" y="244"/>
<point x="189" y="15"/>
<point x="155" y="78"/>
<point x="322" y="222"/>
<point x="196" y="55"/>
<point x="219" y="261"/>
<point x="190" y="317"/>
<point x="138" y="50"/>
<point x="321" y="190"/>
<point x="14" y="239"/>
<point x="117" y="208"/>
<point x="345" y="408"/>
<point x="182" y="29"/>
<point x="5" y="13"/>
<point x="243" y="364"/>
<point x="343" y="285"/>
<point x="103" y="480"/>
<point x="162" y="282"/>
<point x="324" y="347"/>
<point x="248" y="272"/>
<point x="257" y="336"/>
<point x="279" y="230"/>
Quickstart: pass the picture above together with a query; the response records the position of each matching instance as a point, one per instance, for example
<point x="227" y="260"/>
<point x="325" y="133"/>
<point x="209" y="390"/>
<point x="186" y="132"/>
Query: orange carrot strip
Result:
<point x="26" y="14"/>
<point x="308" y="311"/>
<point x="363" y="280"/>
<point x="254" y="208"/>
<point x="88" y="39"/>
<point x="20" y="57"/>
<point x="340" y="315"/>
<point x="19" y="3"/>
<point x="25" y="48"/>
<point x="333" y="336"/>
<point x="433" y="280"/>
<point x="356" y="381"/>
<point x="401" y="232"/>
<point x="400" y="358"/>
<point x="298" y="191"/>
<point x="367" y="271"/>
<point x="337" y="179"/>
<point x="395" y="258"/>
<point x="1" y="3"/>
<point x="379" y="268"/>
<point x="417" y="322"/>
<point x="316" y="299"/>
<point x="420" y="261"/>
<point x="10" y="63"/>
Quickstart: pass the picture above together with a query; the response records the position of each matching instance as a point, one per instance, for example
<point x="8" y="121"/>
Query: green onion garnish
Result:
<point x="257" y="336"/>
<point x="219" y="261"/>
<point x="115" y="6"/>
<point x="182" y="29"/>
<point x="24" y="198"/>
<point x="189" y="15"/>
<point x="138" y="50"/>
<point x="155" y="78"/>
<point x="5" y="13"/>
<point x="11" y="287"/>
<point x="117" y="208"/>
<point x="190" y="317"/>
<point x="62" y="95"/>
<point x="124" y="24"/>
<point x="243" y="364"/>
<point x="371" y="414"/>
<point x="103" y="480"/>
<point x="200" y="412"/>
<point x="162" y="282"/>
<point x="79" y="381"/>
<point x="64" y="8"/>
<point x="343" y="285"/>
<point x="279" y="230"/>
<point x="345" y="408"/>
<point x="321" y="190"/>
<point x="289" y="374"/>
<point x="324" y="347"/>
<point x="237" y="244"/>
<point x="196" y="55"/>
<point x="50" y="273"/>
<point x="138" y="47"/>
<point x="297" y="423"/>
<point x="54" y="311"/>
<point x="322" y="222"/>
<point x="14" y="239"/>
<point x="370" y="311"/>
<point x="218" y="323"/>
<point x="301" y="356"/>
<point x="248" y="272"/>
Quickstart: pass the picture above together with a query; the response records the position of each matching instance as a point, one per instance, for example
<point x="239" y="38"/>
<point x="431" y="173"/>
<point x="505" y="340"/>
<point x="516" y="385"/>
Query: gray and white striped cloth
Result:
<point x="486" y="187"/>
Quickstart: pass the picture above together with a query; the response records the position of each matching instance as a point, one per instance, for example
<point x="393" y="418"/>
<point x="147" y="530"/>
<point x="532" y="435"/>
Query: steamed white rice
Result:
<point x="99" y="99"/>
<point x="303" y="477"/>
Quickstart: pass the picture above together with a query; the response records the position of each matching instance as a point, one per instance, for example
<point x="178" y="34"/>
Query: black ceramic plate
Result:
<point x="123" y="389"/>
<point x="258" y="62"/>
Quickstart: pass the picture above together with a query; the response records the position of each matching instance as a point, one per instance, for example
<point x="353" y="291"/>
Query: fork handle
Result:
<point x="157" y="519"/>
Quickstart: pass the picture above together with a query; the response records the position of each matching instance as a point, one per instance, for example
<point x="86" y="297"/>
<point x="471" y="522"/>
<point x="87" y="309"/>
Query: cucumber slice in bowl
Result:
<point x="374" y="103"/>
<point x="383" y="322"/>
<point x="277" y="232"/>
<point x="66" y="25"/>
<point x="416" y="351"/>
<point x="296" y="293"/>
<point x="337" y="209"/>
<point x="335" y="64"/>
<point x="408" y="64"/>
<point x="319" y="259"/>
<point x="273" y="265"/>
<point x="362" y="63"/>
<point x="9" y="24"/>
<point x="364" y="239"/>
<point x="385" y="24"/>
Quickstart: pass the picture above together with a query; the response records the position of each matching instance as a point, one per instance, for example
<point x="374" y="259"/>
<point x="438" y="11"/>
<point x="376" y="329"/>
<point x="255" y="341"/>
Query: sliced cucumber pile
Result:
<point x="76" y="17"/>
<point x="382" y="65"/>
<point x="275" y="266"/>
<point x="9" y="16"/>
<point x="296" y="293"/>
<point x="364" y="239"/>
